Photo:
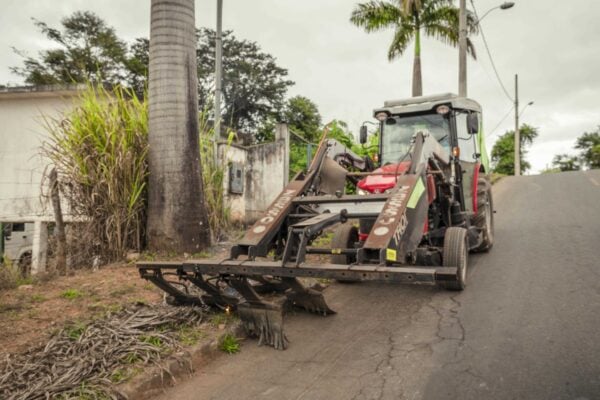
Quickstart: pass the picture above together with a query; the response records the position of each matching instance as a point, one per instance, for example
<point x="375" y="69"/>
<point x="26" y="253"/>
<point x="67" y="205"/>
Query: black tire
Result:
<point x="344" y="237"/>
<point x="456" y="254"/>
<point x="484" y="219"/>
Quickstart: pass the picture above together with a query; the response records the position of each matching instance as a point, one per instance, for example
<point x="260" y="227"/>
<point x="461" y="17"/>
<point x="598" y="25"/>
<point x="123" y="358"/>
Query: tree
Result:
<point x="435" y="18"/>
<point x="302" y="115"/>
<point x="136" y="65"/>
<point x="503" y="152"/>
<point x="589" y="144"/>
<point x="254" y="86"/>
<point x="565" y="162"/>
<point x="177" y="219"/>
<point x="87" y="49"/>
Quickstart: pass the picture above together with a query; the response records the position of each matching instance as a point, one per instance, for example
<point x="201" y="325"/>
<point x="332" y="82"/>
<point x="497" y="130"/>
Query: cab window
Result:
<point x="466" y="142"/>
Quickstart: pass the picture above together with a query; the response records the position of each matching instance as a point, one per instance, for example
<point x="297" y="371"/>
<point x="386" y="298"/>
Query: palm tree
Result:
<point x="435" y="18"/>
<point x="177" y="219"/>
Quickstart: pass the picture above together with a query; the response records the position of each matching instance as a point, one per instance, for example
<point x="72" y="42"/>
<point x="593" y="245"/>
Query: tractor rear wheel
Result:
<point x="484" y="219"/>
<point x="344" y="237"/>
<point x="456" y="254"/>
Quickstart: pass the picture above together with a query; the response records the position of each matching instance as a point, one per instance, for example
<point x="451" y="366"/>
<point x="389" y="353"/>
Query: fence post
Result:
<point x="61" y="240"/>
<point x="39" y="248"/>
<point x="282" y="133"/>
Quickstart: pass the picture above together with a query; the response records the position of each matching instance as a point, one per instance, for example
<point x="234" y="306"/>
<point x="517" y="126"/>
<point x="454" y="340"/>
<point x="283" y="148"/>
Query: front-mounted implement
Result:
<point x="418" y="214"/>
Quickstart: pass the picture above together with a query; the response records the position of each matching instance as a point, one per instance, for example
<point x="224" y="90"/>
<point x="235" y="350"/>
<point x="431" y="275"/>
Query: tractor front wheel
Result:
<point x="456" y="254"/>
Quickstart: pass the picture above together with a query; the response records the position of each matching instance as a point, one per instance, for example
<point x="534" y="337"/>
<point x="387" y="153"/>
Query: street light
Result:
<point x="504" y="6"/>
<point x="462" y="42"/>
<point x="524" y="108"/>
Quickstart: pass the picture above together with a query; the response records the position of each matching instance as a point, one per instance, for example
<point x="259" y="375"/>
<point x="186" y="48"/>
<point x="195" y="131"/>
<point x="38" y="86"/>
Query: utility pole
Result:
<point x="517" y="133"/>
<point x="462" y="49"/>
<point x="218" y="75"/>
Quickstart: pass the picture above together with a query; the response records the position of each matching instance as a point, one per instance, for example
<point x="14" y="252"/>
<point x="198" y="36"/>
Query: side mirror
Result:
<point x="363" y="134"/>
<point x="472" y="123"/>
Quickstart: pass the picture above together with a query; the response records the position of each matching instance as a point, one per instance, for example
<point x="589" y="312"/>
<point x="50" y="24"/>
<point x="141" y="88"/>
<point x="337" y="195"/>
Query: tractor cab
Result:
<point x="454" y="122"/>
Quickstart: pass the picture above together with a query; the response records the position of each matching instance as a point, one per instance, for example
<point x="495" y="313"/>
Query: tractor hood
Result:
<point x="381" y="183"/>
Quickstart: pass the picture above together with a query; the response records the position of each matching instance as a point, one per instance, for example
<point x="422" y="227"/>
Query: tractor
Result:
<point x="409" y="214"/>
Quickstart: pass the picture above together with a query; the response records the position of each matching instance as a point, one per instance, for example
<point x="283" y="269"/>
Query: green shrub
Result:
<point x="71" y="294"/>
<point x="229" y="344"/>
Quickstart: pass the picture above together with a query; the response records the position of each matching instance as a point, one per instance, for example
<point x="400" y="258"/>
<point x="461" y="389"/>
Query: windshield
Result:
<point x="399" y="130"/>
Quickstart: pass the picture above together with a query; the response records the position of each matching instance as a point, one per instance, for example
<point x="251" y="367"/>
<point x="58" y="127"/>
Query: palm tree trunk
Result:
<point x="177" y="219"/>
<point x="417" y="81"/>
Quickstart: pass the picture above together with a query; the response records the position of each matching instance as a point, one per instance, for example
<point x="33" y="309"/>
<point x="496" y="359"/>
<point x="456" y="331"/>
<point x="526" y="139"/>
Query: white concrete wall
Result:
<point x="235" y="202"/>
<point x="265" y="174"/>
<point x="21" y="164"/>
<point x="264" y="180"/>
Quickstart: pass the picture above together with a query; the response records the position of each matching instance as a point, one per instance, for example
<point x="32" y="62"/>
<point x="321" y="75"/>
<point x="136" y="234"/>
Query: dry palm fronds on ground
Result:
<point x="80" y="361"/>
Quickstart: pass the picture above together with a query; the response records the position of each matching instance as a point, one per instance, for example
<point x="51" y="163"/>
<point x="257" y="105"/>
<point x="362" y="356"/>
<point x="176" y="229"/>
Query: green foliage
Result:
<point x="299" y="157"/>
<point x="71" y="294"/>
<point x="152" y="340"/>
<point x="99" y="149"/>
<point x="302" y="116"/>
<point x="38" y="298"/>
<point x="75" y="330"/>
<point x="437" y="19"/>
<point x="10" y="275"/>
<point x="86" y="49"/>
<point x="254" y="86"/>
<point x="565" y="162"/>
<point x="589" y="145"/>
<point x="503" y="152"/>
<point x="189" y="335"/>
<point x="229" y="344"/>
<point x="213" y="174"/>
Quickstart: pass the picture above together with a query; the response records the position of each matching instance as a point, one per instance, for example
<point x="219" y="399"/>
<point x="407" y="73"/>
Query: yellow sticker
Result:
<point x="416" y="194"/>
<point x="336" y="251"/>
<point x="390" y="254"/>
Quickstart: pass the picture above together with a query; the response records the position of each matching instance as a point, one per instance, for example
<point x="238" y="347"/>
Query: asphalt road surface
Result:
<point x="526" y="327"/>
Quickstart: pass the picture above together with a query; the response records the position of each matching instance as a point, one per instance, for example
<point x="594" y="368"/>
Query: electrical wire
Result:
<point x="501" y="121"/>
<point x="490" y="55"/>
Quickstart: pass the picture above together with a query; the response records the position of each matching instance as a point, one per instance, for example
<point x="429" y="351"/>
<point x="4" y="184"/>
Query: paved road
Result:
<point x="527" y="327"/>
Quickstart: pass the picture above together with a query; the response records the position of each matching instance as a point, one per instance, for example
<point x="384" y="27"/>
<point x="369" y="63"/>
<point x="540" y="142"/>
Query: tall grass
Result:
<point x="99" y="150"/>
<point x="213" y="175"/>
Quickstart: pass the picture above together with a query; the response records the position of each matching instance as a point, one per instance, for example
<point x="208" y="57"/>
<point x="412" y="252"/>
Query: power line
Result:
<point x="501" y="121"/>
<point x="490" y="55"/>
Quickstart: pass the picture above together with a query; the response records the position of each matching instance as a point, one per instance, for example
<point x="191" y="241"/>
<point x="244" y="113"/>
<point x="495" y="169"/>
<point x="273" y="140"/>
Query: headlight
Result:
<point x="361" y="192"/>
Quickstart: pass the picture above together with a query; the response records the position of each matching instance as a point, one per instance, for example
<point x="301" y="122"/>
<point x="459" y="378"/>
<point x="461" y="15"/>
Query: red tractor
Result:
<point x="419" y="214"/>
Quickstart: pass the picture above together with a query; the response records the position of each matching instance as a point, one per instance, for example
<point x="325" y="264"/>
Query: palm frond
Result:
<point x="375" y="15"/>
<point x="402" y="38"/>
<point x="442" y="23"/>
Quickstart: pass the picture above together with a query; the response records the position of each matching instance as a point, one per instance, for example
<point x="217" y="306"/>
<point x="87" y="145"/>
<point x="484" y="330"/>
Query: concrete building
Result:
<point x="23" y="111"/>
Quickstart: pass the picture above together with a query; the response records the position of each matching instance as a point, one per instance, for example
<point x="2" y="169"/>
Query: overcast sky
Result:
<point x="554" y="46"/>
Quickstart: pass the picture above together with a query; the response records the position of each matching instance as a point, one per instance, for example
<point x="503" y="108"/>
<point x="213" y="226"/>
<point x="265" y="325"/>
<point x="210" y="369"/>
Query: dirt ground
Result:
<point x="30" y="313"/>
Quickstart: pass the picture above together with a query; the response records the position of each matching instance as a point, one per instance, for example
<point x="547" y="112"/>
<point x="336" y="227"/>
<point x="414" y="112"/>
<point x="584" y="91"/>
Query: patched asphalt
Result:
<point x="526" y="327"/>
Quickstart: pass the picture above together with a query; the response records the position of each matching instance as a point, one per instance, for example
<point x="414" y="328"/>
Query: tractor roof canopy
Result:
<point x="427" y="103"/>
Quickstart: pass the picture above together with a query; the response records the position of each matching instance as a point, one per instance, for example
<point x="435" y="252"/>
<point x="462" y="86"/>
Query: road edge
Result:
<point x="155" y="379"/>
